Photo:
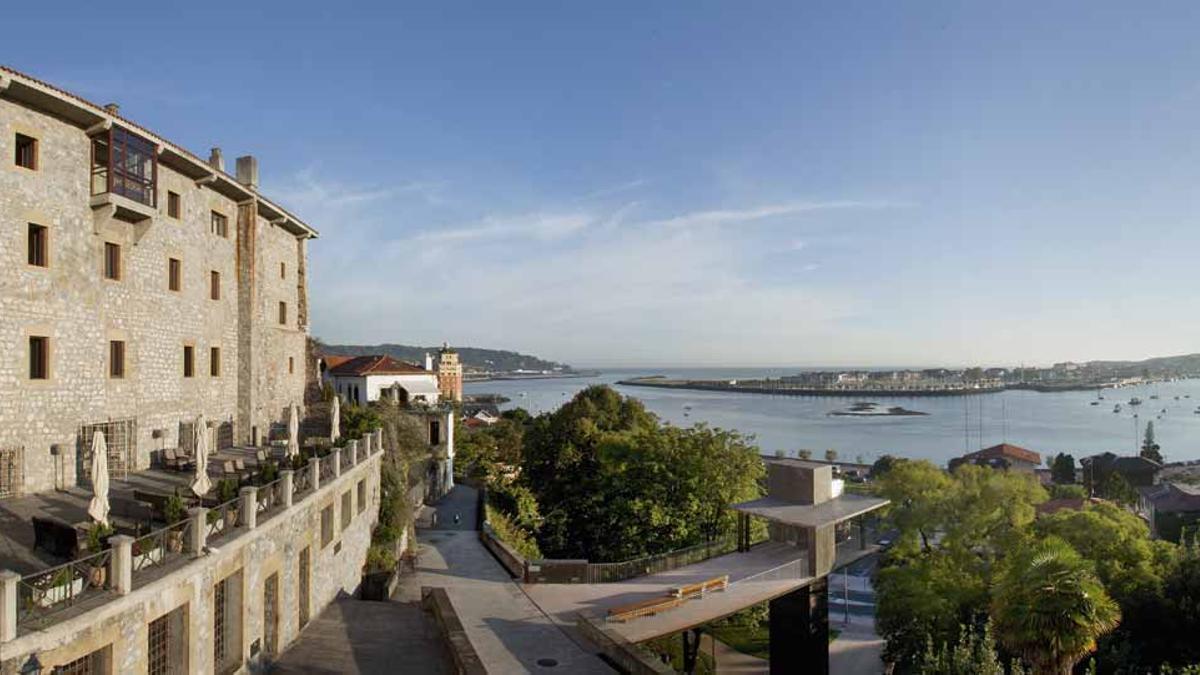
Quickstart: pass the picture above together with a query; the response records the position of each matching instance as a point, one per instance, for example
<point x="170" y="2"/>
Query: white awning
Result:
<point x="423" y="387"/>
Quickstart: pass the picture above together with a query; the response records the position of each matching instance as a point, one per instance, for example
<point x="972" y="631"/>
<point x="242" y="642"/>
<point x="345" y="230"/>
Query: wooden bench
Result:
<point x="648" y="607"/>
<point x="702" y="588"/>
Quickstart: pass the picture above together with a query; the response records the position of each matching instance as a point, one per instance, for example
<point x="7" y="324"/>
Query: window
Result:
<point x="116" y="359"/>
<point x="291" y="365"/>
<point x="271" y="615"/>
<point x="362" y="495"/>
<point x="166" y="643"/>
<point x="172" y="204"/>
<point x="326" y="525"/>
<point x="282" y="270"/>
<point x="283" y="314"/>
<point x="214" y="285"/>
<point x="173" y="274"/>
<point x="435" y="432"/>
<point x="112" y="261"/>
<point x="27" y="152"/>
<point x="39" y="358"/>
<point x="38" y="245"/>
<point x="189" y="361"/>
<point x="227" y="623"/>
<point x="125" y="164"/>
<point x="214" y="361"/>
<point x="302" y="594"/>
<point x="220" y="224"/>
<point x="347" y="509"/>
<point x="95" y="663"/>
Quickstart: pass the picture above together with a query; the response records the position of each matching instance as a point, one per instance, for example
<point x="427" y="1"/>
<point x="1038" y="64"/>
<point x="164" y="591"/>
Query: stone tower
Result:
<point x="449" y="374"/>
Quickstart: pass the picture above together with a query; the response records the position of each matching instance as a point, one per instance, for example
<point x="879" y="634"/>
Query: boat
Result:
<point x="1095" y="402"/>
<point x="1135" y="401"/>
<point x="1117" y="408"/>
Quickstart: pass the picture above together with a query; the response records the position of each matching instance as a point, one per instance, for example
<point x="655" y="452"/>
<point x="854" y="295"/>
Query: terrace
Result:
<point x="49" y="572"/>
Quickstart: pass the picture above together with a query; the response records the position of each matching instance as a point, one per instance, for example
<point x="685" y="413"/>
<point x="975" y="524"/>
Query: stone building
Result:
<point x="140" y="286"/>
<point x="450" y="374"/>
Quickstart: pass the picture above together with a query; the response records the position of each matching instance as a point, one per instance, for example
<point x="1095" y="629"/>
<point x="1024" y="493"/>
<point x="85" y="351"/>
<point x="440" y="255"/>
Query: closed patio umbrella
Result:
<point x="98" y="508"/>
<point x="293" y="448"/>
<point x="335" y="419"/>
<point x="201" y="484"/>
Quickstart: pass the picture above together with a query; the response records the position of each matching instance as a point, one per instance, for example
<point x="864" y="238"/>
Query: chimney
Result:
<point x="112" y="109"/>
<point x="247" y="171"/>
<point x="216" y="160"/>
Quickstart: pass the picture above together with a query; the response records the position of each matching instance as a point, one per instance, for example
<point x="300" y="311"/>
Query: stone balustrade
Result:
<point x="131" y="562"/>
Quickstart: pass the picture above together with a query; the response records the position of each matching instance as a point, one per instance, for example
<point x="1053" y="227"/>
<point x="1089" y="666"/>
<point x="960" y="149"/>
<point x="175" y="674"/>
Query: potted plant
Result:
<point x="174" y="512"/>
<point x="379" y="573"/>
<point x="97" y="541"/>
<point x="227" y="492"/>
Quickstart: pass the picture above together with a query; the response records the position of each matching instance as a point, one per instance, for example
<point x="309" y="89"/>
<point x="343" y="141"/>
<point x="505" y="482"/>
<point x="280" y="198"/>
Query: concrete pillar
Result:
<point x="248" y="509"/>
<point x="9" y="593"/>
<point x="285" y="486"/>
<point x="121" y="568"/>
<point x="352" y="447"/>
<point x="337" y="462"/>
<point x="199" y="537"/>
<point x="314" y="473"/>
<point x="378" y="439"/>
<point x="800" y="630"/>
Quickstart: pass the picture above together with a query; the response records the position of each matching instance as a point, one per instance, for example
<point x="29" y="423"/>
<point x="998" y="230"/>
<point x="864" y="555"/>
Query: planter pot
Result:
<point x="231" y="518"/>
<point x="175" y="542"/>
<point x="97" y="576"/>
<point x="379" y="586"/>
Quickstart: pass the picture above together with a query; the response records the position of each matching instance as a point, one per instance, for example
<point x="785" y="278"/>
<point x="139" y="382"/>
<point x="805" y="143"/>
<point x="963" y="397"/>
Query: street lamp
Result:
<point x="32" y="667"/>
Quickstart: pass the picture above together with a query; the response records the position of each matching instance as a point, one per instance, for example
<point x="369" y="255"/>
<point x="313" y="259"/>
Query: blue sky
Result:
<point x="698" y="183"/>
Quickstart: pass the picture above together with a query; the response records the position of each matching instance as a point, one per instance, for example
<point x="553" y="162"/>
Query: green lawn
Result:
<point x="752" y="640"/>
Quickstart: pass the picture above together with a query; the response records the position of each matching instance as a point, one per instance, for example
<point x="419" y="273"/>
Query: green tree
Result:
<point x="614" y="484"/>
<point x="1114" y="487"/>
<point x="1062" y="469"/>
<point x="973" y="654"/>
<point x="831" y="455"/>
<point x="919" y="492"/>
<point x="882" y="466"/>
<point x="803" y="453"/>
<point x="1068" y="492"/>
<point x="1049" y="607"/>
<point x="1150" y="448"/>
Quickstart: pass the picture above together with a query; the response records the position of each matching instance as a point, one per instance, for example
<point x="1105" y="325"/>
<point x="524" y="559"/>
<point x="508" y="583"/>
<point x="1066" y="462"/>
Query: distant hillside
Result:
<point x="1187" y="364"/>
<point x="473" y="358"/>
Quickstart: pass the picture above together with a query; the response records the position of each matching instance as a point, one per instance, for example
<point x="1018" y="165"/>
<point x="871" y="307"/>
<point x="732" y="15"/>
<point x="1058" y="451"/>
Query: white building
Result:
<point x="370" y="378"/>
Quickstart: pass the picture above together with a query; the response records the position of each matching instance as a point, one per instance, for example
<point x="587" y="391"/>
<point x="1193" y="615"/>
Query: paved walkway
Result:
<point x="509" y="632"/>
<point x="368" y="638"/>
<point x="858" y="649"/>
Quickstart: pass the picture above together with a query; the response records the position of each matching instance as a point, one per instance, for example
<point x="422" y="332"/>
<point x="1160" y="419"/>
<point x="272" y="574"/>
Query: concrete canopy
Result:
<point x="834" y="511"/>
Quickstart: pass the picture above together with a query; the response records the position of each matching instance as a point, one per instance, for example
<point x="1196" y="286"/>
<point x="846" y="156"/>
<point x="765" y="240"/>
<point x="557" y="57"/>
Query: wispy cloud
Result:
<point x="541" y="226"/>
<point x="733" y="216"/>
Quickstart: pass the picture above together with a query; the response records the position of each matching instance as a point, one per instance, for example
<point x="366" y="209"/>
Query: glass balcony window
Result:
<point x="125" y="164"/>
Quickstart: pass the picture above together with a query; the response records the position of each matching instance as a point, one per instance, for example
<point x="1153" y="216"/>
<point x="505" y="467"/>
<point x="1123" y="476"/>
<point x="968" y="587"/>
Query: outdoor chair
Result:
<point x="175" y="460"/>
<point x="139" y="514"/>
<point x="56" y="538"/>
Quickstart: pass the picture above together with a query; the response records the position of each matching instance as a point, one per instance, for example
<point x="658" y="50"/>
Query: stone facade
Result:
<point x="120" y="626"/>
<point x="259" y="264"/>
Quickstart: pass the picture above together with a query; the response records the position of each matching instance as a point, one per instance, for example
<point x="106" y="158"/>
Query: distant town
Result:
<point x="1065" y="376"/>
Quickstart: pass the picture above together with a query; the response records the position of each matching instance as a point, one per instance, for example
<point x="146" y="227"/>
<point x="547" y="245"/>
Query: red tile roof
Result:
<point x="1008" y="452"/>
<point x="1072" y="503"/>
<point x="375" y="364"/>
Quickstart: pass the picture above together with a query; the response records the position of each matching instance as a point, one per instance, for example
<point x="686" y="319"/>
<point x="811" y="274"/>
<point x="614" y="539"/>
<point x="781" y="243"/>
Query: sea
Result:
<point x="1047" y="423"/>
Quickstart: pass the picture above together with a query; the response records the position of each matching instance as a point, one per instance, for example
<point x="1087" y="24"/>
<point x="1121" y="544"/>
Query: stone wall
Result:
<point x="121" y="625"/>
<point x="71" y="303"/>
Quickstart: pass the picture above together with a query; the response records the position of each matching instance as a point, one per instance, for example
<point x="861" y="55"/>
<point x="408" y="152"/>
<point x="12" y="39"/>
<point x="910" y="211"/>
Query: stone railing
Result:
<point x="551" y="571"/>
<point x="38" y="600"/>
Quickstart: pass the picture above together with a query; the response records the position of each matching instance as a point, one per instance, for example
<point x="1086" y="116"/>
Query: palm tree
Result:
<point x="1049" y="607"/>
